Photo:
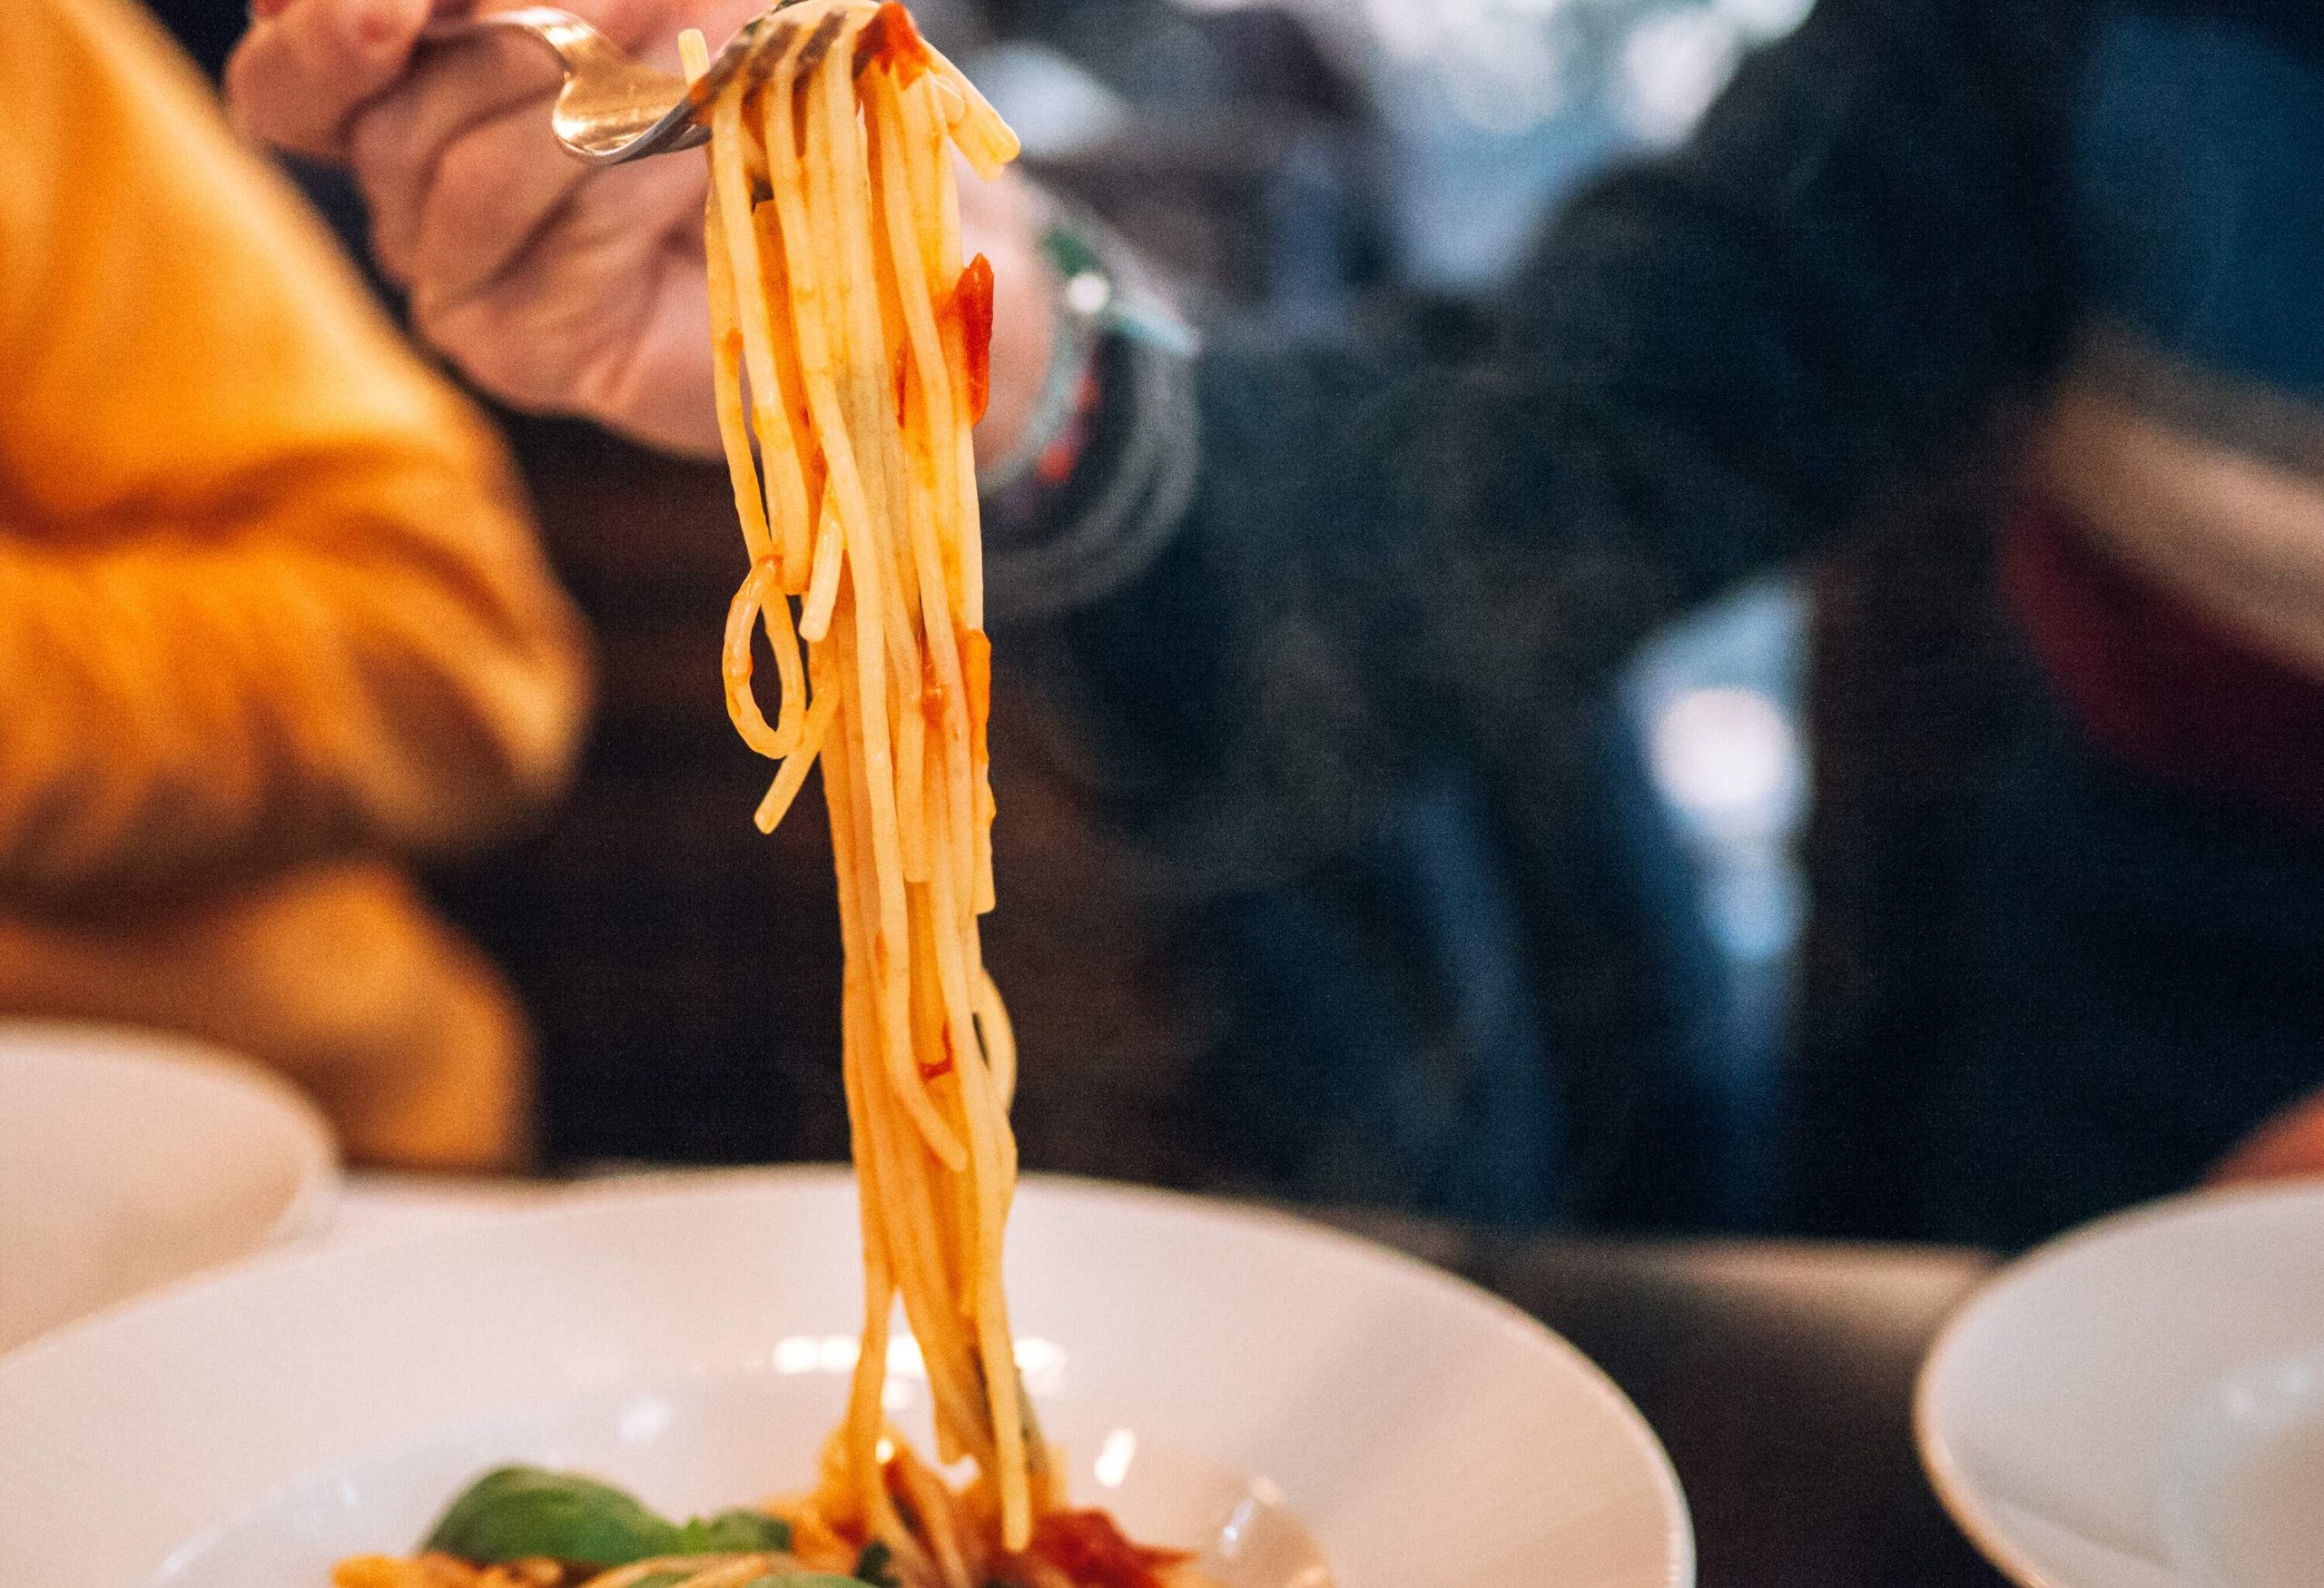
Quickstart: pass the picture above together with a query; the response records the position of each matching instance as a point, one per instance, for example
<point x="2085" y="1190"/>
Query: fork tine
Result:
<point x="588" y="59"/>
<point x="818" y="42"/>
<point x="781" y="37"/>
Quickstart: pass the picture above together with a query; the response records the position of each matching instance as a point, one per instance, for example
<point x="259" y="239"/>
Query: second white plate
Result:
<point x="129" y="1159"/>
<point x="2141" y="1404"/>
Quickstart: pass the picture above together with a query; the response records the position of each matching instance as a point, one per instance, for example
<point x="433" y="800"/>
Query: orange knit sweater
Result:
<point x="271" y="616"/>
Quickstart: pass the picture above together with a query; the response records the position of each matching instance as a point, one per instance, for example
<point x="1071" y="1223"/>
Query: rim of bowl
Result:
<point x="318" y="1167"/>
<point x="576" y="1198"/>
<point x="1955" y="1489"/>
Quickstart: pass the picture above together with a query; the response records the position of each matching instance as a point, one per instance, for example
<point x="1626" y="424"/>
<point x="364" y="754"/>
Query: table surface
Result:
<point x="1778" y="1375"/>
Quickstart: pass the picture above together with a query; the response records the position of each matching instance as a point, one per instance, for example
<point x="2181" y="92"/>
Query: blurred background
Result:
<point x="1292" y="161"/>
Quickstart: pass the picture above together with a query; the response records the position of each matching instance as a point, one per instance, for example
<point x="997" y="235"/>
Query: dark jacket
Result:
<point x="1418" y="549"/>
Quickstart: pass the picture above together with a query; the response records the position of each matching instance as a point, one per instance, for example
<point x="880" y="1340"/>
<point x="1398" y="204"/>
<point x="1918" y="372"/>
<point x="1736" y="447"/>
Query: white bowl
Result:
<point x="1222" y="1378"/>
<point x="129" y="1159"/>
<point x="2141" y="1405"/>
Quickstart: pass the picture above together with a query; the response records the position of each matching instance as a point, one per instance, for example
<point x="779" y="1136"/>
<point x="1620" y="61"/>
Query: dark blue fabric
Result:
<point x="1383" y="1046"/>
<point x="2198" y="193"/>
<point x="1421" y="553"/>
<point x="2139" y="964"/>
<point x="2140" y="988"/>
<point x="1386" y="1040"/>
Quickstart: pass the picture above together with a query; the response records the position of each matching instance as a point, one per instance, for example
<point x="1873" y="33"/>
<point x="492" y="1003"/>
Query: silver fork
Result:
<point x="613" y="110"/>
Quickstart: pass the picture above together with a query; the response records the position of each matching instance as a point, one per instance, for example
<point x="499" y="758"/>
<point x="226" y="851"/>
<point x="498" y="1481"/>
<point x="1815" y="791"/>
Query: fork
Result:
<point x="612" y="109"/>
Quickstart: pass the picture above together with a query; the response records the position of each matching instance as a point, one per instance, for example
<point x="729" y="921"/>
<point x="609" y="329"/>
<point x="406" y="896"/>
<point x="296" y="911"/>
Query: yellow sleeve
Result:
<point x="267" y="590"/>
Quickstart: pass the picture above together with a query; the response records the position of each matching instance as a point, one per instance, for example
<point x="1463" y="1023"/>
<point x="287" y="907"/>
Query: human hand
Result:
<point x="558" y="286"/>
<point x="2232" y="535"/>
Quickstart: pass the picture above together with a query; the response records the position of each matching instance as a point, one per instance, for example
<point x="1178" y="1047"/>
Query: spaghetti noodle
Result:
<point x="850" y="343"/>
<point x="852" y="346"/>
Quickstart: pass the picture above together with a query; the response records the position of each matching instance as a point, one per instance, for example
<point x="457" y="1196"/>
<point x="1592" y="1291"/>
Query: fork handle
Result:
<point x="612" y="109"/>
<point x="578" y="46"/>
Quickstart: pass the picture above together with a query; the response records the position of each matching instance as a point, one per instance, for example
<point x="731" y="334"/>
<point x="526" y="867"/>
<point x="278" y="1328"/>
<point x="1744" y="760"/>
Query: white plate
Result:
<point x="1220" y="1377"/>
<point x="2141" y="1405"/>
<point x="129" y="1159"/>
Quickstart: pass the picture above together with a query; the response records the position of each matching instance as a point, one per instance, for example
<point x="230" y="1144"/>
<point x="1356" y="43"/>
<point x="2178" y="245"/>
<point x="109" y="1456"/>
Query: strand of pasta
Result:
<point x="879" y="1279"/>
<point x="726" y="356"/>
<point x="813" y="298"/>
<point x="760" y="603"/>
<point x="786" y="488"/>
<point x="991" y="1153"/>
<point x="862" y="1428"/>
<point x="974" y="1199"/>
<point x="834" y="180"/>
<point x="933" y="1293"/>
<point x="909" y="245"/>
<point x="863" y="409"/>
<point x="895" y="1193"/>
<point x="797" y="738"/>
<point x="935" y="191"/>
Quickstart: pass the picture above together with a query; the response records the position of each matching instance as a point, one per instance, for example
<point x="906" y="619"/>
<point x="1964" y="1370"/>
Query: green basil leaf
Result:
<point x="521" y="1512"/>
<point x="735" y="1532"/>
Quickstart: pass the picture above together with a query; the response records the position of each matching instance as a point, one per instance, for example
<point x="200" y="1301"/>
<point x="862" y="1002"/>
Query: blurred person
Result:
<point x="271" y="616"/>
<point x="1283" y="580"/>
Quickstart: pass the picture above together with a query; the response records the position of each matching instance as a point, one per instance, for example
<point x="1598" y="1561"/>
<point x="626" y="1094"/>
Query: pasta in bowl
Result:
<point x="1297" y="1408"/>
